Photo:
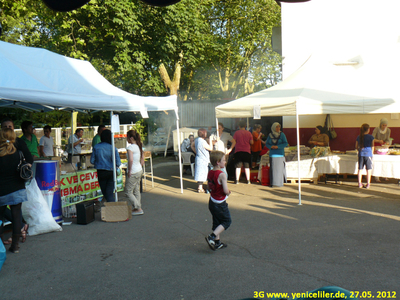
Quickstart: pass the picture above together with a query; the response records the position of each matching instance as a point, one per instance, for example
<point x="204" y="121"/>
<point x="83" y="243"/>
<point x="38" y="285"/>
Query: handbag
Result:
<point x="329" y="129"/>
<point x="24" y="168"/>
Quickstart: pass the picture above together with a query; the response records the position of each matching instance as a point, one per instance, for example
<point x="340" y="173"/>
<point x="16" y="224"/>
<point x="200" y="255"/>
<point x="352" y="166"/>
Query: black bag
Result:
<point x="329" y="129"/>
<point x="24" y="168"/>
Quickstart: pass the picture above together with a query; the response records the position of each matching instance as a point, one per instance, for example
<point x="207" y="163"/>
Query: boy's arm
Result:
<point x="224" y="183"/>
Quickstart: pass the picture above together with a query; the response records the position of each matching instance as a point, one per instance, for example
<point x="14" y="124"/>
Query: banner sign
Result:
<point x="83" y="186"/>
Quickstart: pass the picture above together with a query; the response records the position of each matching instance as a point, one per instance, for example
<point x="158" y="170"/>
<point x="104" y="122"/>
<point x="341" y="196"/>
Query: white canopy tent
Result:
<point x="351" y="84"/>
<point x="39" y="80"/>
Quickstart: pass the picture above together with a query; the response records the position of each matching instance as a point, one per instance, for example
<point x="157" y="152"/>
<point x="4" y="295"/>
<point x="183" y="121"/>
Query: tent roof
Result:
<point x="38" y="79"/>
<point x="355" y="83"/>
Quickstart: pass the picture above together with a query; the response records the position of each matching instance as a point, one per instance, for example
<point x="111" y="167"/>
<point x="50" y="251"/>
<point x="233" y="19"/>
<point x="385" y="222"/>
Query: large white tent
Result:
<point x="359" y="84"/>
<point x="48" y="80"/>
<point x="40" y="80"/>
<point x="355" y="82"/>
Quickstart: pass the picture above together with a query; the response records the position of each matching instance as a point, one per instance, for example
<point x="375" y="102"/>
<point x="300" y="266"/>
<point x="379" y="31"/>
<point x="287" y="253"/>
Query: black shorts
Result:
<point x="220" y="214"/>
<point x="364" y="161"/>
<point x="242" y="158"/>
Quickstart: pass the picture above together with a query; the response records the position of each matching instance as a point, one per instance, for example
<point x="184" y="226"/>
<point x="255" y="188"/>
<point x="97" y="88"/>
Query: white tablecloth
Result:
<point x="383" y="165"/>
<point x="308" y="167"/>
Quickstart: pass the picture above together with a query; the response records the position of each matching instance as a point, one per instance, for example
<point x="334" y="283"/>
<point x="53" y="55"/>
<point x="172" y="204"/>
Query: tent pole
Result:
<point x="216" y="121"/>
<point x="179" y="154"/>
<point x="298" y="151"/>
<point x="113" y="160"/>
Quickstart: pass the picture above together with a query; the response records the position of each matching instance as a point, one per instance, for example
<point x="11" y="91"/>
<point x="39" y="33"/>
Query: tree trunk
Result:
<point x="172" y="86"/>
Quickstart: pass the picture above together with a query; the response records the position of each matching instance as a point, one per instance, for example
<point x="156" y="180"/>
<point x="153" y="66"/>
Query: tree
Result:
<point x="215" y="49"/>
<point x="241" y="46"/>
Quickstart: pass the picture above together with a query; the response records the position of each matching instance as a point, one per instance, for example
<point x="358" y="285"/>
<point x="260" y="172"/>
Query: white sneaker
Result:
<point x="137" y="213"/>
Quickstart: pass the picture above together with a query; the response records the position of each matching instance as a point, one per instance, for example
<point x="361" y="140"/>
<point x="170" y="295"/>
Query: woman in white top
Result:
<point x="134" y="173"/>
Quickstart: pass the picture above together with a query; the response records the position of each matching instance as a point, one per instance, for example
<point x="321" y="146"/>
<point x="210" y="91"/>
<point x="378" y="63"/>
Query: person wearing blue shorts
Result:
<point x="365" y="147"/>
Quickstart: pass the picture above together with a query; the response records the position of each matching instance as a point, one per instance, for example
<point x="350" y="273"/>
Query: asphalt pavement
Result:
<point x="340" y="236"/>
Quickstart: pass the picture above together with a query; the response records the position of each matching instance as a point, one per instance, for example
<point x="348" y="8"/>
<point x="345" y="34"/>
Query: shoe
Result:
<point x="236" y="181"/>
<point x="24" y="232"/>
<point x="248" y="182"/>
<point x="220" y="245"/>
<point x="360" y="185"/>
<point x="210" y="241"/>
<point x="15" y="241"/>
<point x="14" y="249"/>
<point x="137" y="213"/>
<point x="367" y="186"/>
<point x="201" y="191"/>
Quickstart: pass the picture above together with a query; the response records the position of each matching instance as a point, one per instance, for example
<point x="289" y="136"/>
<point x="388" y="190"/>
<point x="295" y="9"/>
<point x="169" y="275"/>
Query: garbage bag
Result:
<point x="36" y="211"/>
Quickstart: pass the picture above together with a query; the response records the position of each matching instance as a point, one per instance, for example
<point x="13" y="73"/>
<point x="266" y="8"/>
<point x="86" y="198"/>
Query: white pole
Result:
<point x="113" y="160"/>
<point x="179" y="154"/>
<point x="166" y="145"/>
<point x="298" y="151"/>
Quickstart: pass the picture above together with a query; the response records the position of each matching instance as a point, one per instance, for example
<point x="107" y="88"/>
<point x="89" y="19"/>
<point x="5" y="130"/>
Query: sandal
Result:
<point x="7" y="242"/>
<point x="24" y="232"/>
<point x="201" y="191"/>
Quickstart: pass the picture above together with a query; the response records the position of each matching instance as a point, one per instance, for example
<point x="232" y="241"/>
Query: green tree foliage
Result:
<point x="224" y="46"/>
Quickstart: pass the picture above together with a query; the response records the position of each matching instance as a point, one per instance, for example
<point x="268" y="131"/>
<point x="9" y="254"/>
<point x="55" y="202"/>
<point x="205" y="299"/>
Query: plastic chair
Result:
<point x="186" y="160"/>
<point x="147" y="155"/>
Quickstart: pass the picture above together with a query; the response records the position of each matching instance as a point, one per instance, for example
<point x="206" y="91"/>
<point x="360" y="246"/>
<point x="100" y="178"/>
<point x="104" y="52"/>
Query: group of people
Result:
<point x="365" y="144"/>
<point x="12" y="186"/>
<point x="247" y="147"/>
<point x="102" y="160"/>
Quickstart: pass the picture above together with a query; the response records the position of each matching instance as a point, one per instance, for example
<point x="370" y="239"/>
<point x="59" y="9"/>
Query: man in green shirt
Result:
<point x="29" y="138"/>
<point x="96" y="138"/>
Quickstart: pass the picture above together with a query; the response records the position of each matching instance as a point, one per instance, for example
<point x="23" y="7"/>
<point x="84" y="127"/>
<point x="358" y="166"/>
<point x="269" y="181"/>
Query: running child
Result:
<point x="218" y="185"/>
<point x="365" y="147"/>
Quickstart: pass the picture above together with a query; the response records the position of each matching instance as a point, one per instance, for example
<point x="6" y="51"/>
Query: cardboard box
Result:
<point x="116" y="212"/>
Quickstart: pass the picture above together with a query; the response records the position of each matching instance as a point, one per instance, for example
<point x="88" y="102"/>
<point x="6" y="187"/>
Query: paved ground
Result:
<point x="340" y="235"/>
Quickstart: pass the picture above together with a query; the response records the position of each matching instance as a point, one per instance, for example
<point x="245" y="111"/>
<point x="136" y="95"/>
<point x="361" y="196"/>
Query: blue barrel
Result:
<point x="46" y="175"/>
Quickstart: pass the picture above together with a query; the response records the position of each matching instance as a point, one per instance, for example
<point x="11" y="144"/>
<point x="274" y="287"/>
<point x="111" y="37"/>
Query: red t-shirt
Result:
<point x="257" y="143"/>
<point x="243" y="138"/>
<point x="217" y="191"/>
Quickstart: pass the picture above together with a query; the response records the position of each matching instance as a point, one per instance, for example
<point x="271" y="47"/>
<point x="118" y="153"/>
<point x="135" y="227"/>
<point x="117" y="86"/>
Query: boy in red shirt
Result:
<point x="218" y="185"/>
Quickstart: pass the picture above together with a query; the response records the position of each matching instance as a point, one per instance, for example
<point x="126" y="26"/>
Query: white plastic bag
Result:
<point x="36" y="211"/>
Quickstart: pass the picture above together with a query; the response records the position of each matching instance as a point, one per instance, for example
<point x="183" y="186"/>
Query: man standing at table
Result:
<point x="76" y="141"/>
<point x="29" y="138"/>
<point x="96" y="139"/>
